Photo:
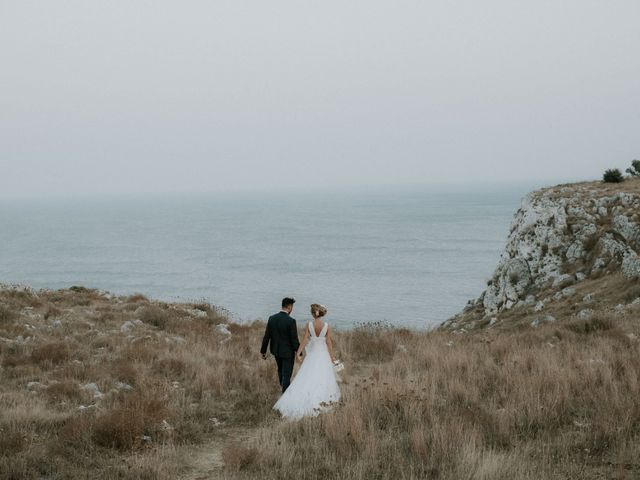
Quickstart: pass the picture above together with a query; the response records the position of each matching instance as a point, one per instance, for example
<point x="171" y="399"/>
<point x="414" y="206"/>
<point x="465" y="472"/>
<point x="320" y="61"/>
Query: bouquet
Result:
<point x="338" y="366"/>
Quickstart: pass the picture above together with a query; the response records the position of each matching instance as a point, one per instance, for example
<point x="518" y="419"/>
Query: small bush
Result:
<point x="124" y="426"/>
<point x="634" y="170"/>
<point x="124" y="371"/>
<point x="52" y="311"/>
<point x="120" y="428"/>
<point x="137" y="298"/>
<point x="77" y="431"/>
<point x="79" y="289"/>
<point x="14" y="360"/>
<point x="155" y="316"/>
<point x="64" y="391"/>
<point x="597" y="323"/>
<point x="6" y="314"/>
<point x="170" y="366"/>
<point x="79" y="296"/>
<point x="612" y="175"/>
<point x="11" y="442"/>
<point x="53" y="352"/>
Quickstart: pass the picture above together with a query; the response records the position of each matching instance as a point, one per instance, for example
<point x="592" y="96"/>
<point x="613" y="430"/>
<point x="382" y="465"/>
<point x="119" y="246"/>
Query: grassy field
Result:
<point x="104" y="387"/>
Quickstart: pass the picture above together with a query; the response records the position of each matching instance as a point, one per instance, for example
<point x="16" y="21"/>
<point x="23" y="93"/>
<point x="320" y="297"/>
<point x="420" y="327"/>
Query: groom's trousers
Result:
<point x="285" y="369"/>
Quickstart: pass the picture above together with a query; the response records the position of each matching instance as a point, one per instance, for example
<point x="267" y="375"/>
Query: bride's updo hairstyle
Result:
<point x="318" y="310"/>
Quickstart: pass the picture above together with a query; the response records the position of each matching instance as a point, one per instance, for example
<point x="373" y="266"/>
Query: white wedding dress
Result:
<point x="314" y="388"/>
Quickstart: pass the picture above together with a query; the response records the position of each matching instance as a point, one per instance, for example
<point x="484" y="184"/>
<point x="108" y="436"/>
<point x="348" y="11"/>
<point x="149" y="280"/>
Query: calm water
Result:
<point x="409" y="257"/>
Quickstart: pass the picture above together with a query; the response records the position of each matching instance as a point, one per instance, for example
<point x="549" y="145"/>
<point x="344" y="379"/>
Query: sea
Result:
<point x="410" y="257"/>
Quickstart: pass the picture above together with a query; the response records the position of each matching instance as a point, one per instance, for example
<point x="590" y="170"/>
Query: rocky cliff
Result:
<point x="562" y="238"/>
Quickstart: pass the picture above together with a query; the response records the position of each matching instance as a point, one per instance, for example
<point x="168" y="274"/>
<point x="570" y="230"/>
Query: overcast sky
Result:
<point x="135" y="96"/>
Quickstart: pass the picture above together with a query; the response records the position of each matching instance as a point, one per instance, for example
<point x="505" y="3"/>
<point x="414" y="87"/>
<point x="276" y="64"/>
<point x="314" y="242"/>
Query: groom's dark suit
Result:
<point x="282" y="332"/>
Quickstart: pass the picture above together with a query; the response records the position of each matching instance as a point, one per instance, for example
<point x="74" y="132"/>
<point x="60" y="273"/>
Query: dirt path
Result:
<point x="205" y="461"/>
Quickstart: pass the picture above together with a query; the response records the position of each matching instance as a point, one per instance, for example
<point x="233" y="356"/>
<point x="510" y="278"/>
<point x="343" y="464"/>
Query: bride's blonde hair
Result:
<point x="318" y="310"/>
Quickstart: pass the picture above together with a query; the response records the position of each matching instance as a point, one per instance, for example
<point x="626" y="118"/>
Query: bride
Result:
<point x="315" y="387"/>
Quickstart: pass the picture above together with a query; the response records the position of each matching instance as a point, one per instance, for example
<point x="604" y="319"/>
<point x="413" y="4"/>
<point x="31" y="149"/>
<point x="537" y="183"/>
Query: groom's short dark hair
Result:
<point x="287" y="301"/>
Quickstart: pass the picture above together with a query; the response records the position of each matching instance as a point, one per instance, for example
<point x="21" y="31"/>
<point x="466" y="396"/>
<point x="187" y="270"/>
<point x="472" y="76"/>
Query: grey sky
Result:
<point x="111" y="97"/>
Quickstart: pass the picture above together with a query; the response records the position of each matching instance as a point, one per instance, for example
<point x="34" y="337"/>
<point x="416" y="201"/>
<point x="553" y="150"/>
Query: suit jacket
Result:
<point x="282" y="333"/>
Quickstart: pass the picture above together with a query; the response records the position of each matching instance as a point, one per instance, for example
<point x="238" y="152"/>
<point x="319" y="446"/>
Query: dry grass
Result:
<point x="160" y="382"/>
<point x="64" y="391"/>
<point x="156" y="316"/>
<point x="557" y="401"/>
<point x="6" y="314"/>
<point x="125" y="425"/>
<point x="237" y="456"/>
<point x="560" y="401"/>
<point x="50" y="353"/>
<point x="630" y="185"/>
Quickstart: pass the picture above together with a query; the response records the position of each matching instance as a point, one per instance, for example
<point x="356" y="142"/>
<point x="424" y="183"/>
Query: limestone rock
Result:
<point x="126" y="326"/>
<point x="215" y="421"/>
<point x="575" y="252"/>
<point x="585" y="314"/>
<point x="631" y="265"/>
<point x="560" y="236"/>
<point x="556" y="227"/>
<point x="545" y="319"/>
<point x="195" y="312"/>
<point x="123" y="386"/>
<point x="92" y="388"/>
<point x="629" y="230"/>
<point x="223" y="329"/>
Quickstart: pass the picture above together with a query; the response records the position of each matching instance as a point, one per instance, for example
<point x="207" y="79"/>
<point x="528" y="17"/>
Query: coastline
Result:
<point x="128" y="387"/>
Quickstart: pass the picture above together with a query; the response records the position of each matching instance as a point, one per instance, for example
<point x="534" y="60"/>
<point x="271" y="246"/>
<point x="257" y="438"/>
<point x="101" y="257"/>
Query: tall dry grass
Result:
<point x="166" y="380"/>
<point x="560" y="401"/>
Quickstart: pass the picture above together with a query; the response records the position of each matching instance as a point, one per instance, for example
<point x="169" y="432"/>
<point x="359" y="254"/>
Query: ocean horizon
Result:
<point x="408" y="256"/>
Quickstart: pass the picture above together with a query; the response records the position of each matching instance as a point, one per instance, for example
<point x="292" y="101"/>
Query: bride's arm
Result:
<point x="330" y="344"/>
<point x="303" y="344"/>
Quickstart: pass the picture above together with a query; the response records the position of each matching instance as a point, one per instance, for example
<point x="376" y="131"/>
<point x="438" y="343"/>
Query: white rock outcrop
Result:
<point x="561" y="236"/>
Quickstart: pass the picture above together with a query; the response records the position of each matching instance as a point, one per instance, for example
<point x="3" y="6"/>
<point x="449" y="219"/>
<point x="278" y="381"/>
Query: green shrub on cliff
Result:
<point x="612" y="175"/>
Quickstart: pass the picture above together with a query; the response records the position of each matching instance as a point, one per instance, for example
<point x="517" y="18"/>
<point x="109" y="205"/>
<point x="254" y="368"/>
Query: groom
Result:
<point x="282" y="332"/>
